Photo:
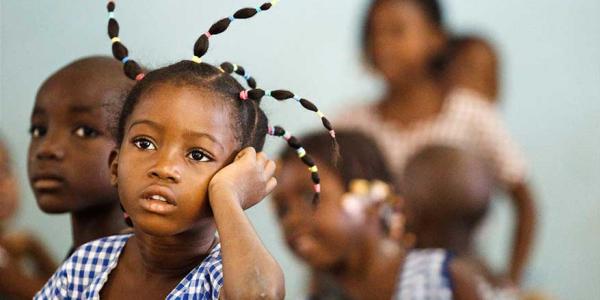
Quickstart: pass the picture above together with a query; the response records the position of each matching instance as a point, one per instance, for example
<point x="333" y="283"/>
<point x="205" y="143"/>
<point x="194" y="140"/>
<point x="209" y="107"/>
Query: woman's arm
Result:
<point x="249" y="271"/>
<point x="524" y="231"/>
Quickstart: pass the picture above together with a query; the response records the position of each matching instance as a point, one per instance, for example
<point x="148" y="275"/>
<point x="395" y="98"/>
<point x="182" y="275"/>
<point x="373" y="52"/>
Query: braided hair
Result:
<point x="250" y="123"/>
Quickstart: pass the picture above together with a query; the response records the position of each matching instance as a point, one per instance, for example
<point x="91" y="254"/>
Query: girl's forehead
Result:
<point x="180" y="109"/>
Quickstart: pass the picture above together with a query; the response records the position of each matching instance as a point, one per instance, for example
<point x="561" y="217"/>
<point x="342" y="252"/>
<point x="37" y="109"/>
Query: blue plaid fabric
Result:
<point x="84" y="274"/>
<point x="425" y="276"/>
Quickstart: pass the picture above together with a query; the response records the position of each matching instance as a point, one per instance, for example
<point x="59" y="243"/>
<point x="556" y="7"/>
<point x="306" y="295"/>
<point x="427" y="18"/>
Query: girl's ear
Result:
<point x="113" y="164"/>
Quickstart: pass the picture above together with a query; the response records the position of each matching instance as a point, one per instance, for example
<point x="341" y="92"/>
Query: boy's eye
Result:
<point x="282" y="210"/>
<point x="308" y="197"/>
<point x="198" y="155"/>
<point x="37" y="131"/>
<point x="86" y="132"/>
<point x="144" y="144"/>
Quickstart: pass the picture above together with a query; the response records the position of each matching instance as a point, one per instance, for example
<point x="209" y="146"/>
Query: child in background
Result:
<point x="71" y="139"/>
<point x="405" y="42"/>
<point x="347" y="238"/>
<point x="447" y="193"/>
<point x="25" y="263"/>
<point x="472" y="64"/>
<point x="359" y="158"/>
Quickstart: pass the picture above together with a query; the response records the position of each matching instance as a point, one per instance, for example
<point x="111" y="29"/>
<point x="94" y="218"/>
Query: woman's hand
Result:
<point x="249" y="178"/>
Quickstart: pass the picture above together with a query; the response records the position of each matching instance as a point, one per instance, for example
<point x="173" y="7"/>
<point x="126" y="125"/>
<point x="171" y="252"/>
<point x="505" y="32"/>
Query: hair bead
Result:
<point x="306" y="159"/>
<point x="244" y="95"/>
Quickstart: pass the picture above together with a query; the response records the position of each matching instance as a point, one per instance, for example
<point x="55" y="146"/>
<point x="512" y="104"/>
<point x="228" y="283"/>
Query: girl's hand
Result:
<point x="249" y="178"/>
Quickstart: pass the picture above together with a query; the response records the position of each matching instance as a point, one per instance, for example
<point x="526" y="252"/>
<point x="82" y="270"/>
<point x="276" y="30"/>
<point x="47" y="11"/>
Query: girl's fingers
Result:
<point x="269" y="170"/>
<point x="246" y="152"/>
<point x="271" y="184"/>
<point x="261" y="159"/>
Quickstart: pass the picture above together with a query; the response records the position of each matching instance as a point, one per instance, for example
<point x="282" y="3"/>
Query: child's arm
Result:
<point x="15" y="283"/>
<point x="249" y="271"/>
<point x="464" y="284"/>
<point x="25" y="244"/>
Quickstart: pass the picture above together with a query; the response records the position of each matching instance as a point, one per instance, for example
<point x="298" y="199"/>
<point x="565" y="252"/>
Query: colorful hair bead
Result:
<point x="244" y="95"/>
<point x="306" y="159"/>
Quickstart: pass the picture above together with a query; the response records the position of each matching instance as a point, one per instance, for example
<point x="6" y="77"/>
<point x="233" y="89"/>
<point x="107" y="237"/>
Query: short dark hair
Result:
<point x="360" y="157"/>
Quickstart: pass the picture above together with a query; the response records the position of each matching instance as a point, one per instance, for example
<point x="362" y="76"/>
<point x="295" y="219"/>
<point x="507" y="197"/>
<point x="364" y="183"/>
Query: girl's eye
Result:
<point x="198" y="155"/>
<point x="86" y="132"/>
<point x="37" y="131"/>
<point x="144" y="144"/>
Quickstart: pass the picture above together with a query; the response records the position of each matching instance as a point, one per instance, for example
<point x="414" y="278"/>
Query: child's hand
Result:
<point x="248" y="179"/>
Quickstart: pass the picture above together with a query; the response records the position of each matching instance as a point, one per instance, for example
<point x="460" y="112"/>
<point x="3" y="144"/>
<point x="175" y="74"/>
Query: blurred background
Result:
<point x="550" y="98"/>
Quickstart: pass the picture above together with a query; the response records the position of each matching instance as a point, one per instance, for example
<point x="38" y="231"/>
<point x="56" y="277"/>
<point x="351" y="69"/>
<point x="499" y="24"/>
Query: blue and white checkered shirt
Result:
<point x="84" y="274"/>
<point x="425" y="276"/>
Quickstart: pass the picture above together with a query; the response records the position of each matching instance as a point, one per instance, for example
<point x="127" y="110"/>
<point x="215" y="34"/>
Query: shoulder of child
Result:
<point x="469" y="101"/>
<point x="19" y="241"/>
<point x="464" y="280"/>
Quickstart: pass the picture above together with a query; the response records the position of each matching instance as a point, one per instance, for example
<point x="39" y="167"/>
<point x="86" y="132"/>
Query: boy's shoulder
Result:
<point x="426" y="272"/>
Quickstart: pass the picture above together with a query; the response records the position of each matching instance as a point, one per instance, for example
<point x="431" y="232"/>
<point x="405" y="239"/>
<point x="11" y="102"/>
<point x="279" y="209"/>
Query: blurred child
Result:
<point x="405" y="42"/>
<point x="24" y="262"/>
<point x="71" y="138"/>
<point x="472" y="63"/>
<point x="359" y="158"/>
<point x="347" y="238"/>
<point x="447" y="193"/>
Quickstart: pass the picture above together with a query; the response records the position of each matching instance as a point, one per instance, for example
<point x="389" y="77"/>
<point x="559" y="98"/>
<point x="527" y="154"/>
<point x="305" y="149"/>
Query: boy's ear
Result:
<point x="113" y="165"/>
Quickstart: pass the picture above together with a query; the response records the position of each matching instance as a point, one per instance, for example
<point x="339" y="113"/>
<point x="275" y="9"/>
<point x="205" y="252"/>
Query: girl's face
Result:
<point x="403" y="41"/>
<point x="324" y="237"/>
<point x="9" y="190"/>
<point x="175" y="140"/>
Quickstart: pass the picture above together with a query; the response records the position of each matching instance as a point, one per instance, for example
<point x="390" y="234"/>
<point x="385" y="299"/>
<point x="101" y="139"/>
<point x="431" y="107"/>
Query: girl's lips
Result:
<point x="158" y="199"/>
<point x="160" y="194"/>
<point x="156" y="206"/>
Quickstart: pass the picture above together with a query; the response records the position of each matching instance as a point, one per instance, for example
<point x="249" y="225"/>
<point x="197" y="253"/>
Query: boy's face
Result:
<point x="70" y="143"/>
<point x="324" y="236"/>
<point x="9" y="190"/>
<point x="175" y="140"/>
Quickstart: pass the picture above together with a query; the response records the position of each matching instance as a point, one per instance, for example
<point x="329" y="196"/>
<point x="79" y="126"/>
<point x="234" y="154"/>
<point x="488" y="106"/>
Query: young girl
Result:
<point x="346" y="238"/>
<point x="25" y="264"/>
<point x="71" y="139"/>
<point x="186" y="168"/>
<point x="403" y="41"/>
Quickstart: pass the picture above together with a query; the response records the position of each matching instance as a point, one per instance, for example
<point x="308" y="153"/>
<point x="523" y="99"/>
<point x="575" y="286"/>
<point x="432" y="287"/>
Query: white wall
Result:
<point x="551" y="95"/>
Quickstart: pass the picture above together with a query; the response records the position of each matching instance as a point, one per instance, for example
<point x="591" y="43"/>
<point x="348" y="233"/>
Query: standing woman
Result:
<point x="404" y="41"/>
